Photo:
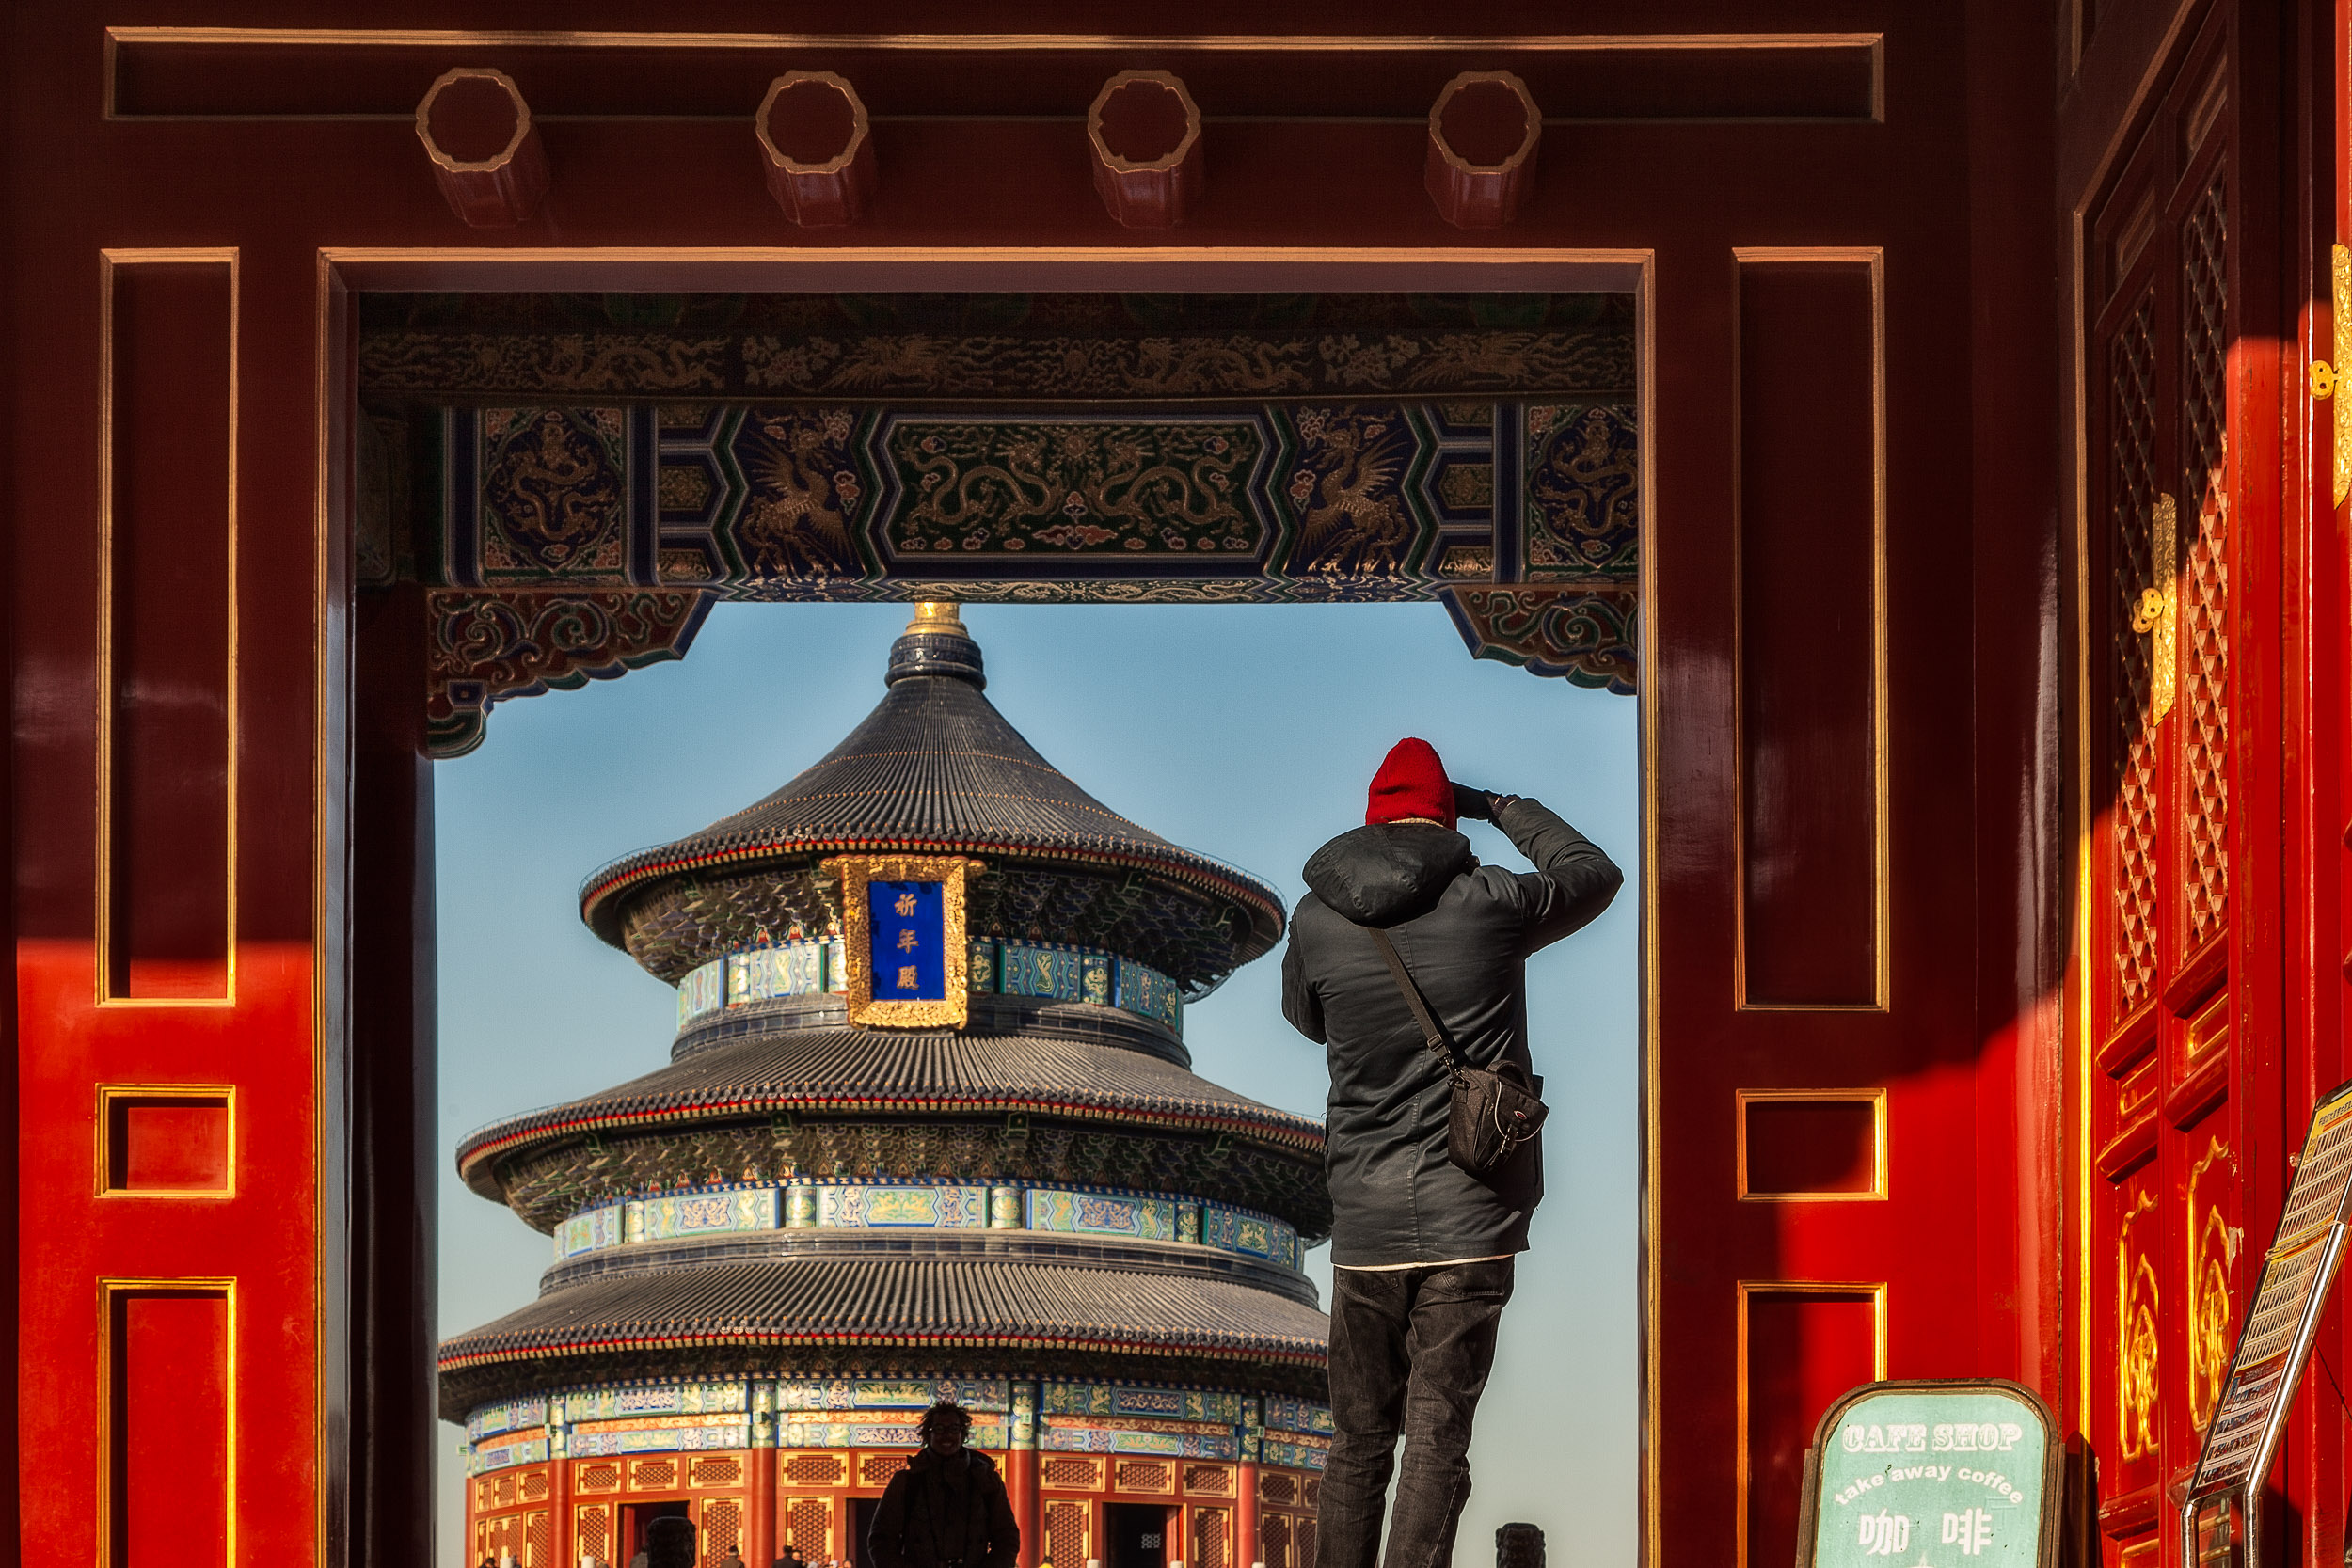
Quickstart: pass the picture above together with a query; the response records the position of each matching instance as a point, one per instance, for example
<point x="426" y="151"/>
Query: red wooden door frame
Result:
<point x="329" y="1228"/>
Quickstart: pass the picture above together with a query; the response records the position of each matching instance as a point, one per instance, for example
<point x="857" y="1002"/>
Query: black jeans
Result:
<point x="1410" y="1349"/>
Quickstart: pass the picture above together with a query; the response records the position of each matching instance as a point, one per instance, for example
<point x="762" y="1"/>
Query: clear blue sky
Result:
<point x="1245" y="732"/>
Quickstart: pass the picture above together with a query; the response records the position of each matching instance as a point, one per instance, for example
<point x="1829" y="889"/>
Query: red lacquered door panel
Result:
<point x="220" y="823"/>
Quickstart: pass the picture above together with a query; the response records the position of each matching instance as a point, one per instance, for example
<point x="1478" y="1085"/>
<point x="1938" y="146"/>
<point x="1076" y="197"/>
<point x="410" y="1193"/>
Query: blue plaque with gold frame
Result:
<point x="903" y="945"/>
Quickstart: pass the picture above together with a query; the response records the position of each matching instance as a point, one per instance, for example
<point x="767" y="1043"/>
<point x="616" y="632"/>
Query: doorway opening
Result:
<point x="861" y="1511"/>
<point x="1135" y="1535"/>
<point x="1247" y="730"/>
<point x="636" y="1520"/>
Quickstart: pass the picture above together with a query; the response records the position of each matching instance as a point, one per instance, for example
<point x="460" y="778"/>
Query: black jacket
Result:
<point x="942" y="1510"/>
<point x="1465" y="930"/>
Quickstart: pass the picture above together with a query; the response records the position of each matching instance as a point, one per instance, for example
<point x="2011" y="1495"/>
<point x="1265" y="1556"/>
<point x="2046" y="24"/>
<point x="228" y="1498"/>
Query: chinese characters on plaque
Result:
<point x="904" y="943"/>
<point x="908" y="949"/>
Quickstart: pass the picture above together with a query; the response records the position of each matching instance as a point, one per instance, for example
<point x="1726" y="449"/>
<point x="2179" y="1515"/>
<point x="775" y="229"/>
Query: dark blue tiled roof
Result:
<point x="1158" y="1325"/>
<point x="936" y="767"/>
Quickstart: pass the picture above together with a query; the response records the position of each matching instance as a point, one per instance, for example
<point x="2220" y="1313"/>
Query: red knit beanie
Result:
<point x="1411" y="782"/>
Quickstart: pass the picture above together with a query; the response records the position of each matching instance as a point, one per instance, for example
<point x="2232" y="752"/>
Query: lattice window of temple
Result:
<point x="2160" y="530"/>
<point x="534" y="1486"/>
<point x="1276" y="1488"/>
<point x="2205" y="582"/>
<point x="875" y="1470"/>
<point x="2132" y="508"/>
<point x="538" y="1540"/>
<point x="1212" y="1545"/>
<point x="815" y="1470"/>
<point x="653" y="1475"/>
<point x="1067" y="1473"/>
<point x="1274" y="1541"/>
<point x="503" y="1537"/>
<point x="1145" y="1475"/>
<point x="807" y="1523"/>
<point x="596" y="1475"/>
<point x="722" y="1527"/>
<point x="714" y="1470"/>
<point x="1208" y="1480"/>
<point x="1311" y="1493"/>
<point x="592" y="1531"/>
<point x="1067" y="1537"/>
<point x="1305" y="1536"/>
<point x="502" y="1491"/>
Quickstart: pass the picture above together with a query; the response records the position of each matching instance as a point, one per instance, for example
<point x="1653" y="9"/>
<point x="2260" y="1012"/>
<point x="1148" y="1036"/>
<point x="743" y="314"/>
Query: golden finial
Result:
<point x="937" y="615"/>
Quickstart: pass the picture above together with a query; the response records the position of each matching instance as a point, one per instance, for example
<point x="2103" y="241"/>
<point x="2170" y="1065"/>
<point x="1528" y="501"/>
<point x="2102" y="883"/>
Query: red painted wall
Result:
<point x="1908" y="192"/>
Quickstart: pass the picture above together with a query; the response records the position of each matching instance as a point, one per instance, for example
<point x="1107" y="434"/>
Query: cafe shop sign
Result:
<point x="1933" y="1475"/>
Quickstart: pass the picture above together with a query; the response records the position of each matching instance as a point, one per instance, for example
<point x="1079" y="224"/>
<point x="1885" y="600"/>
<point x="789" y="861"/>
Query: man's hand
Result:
<point x="1474" y="804"/>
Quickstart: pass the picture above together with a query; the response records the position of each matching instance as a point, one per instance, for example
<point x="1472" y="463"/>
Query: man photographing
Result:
<point x="1423" y="1248"/>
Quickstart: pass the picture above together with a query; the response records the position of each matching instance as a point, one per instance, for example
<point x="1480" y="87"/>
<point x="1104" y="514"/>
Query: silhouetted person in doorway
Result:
<point x="948" y="1509"/>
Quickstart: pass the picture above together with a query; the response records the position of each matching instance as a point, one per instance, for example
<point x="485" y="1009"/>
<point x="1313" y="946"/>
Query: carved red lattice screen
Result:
<point x="2169" y="527"/>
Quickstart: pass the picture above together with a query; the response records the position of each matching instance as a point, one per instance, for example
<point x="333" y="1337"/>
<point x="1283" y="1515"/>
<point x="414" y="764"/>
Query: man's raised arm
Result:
<point x="1574" y="880"/>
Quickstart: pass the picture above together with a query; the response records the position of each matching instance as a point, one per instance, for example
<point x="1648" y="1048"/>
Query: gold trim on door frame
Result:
<point x="1876" y="1099"/>
<point x="1875" y="1290"/>
<point x="108" y="259"/>
<point x="1881" y="853"/>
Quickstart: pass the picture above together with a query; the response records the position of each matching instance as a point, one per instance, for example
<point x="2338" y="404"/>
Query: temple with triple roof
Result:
<point x="929" y="1129"/>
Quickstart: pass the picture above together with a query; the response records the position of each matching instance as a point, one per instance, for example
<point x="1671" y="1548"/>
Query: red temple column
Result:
<point x="1246" y="1505"/>
<point x="760" y="1477"/>
<point x="759" y="1514"/>
<point x="560" y="1500"/>
<point x="1020" y="1477"/>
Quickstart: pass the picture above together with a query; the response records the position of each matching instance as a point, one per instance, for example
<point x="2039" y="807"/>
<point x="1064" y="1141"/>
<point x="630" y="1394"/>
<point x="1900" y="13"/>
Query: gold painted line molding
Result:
<point x="110" y="259"/>
<point x="1743" y="1462"/>
<point x="739" y="267"/>
<point x="1228" y="43"/>
<point x="1882" y="842"/>
<point x="1875" y="1098"/>
<point x="225" y="1289"/>
<point x="109" y="1093"/>
<point x="979" y="255"/>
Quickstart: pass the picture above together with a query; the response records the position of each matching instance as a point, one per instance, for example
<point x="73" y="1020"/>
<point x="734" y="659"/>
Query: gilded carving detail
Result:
<point x="803" y="489"/>
<point x="2136" y="1299"/>
<point x="999" y="345"/>
<point x="552" y="492"/>
<point x="1076" y="487"/>
<point x="1583" y="475"/>
<point x="2159" y="614"/>
<point x="796" y="453"/>
<point x="1111" y="590"/>
<point x="1347" y="492"/>
<point x="2212" y="1248"/>
<point x="953" y="873"/>
<point x="601" y="363"/>
<point x="486" y="647"/>
<point x="1587" y="634"/>
<point x="920" y="364"/>
<point x="1227" y="365"/>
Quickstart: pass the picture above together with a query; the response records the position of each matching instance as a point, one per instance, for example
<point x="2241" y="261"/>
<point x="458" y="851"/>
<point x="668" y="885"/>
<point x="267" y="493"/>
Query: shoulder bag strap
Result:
<point x="1431" y="1035"/>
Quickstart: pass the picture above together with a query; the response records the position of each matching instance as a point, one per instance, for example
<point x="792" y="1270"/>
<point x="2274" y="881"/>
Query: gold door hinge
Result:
<point x="2341" y="300"/>
<point x="2156" y="614"/>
